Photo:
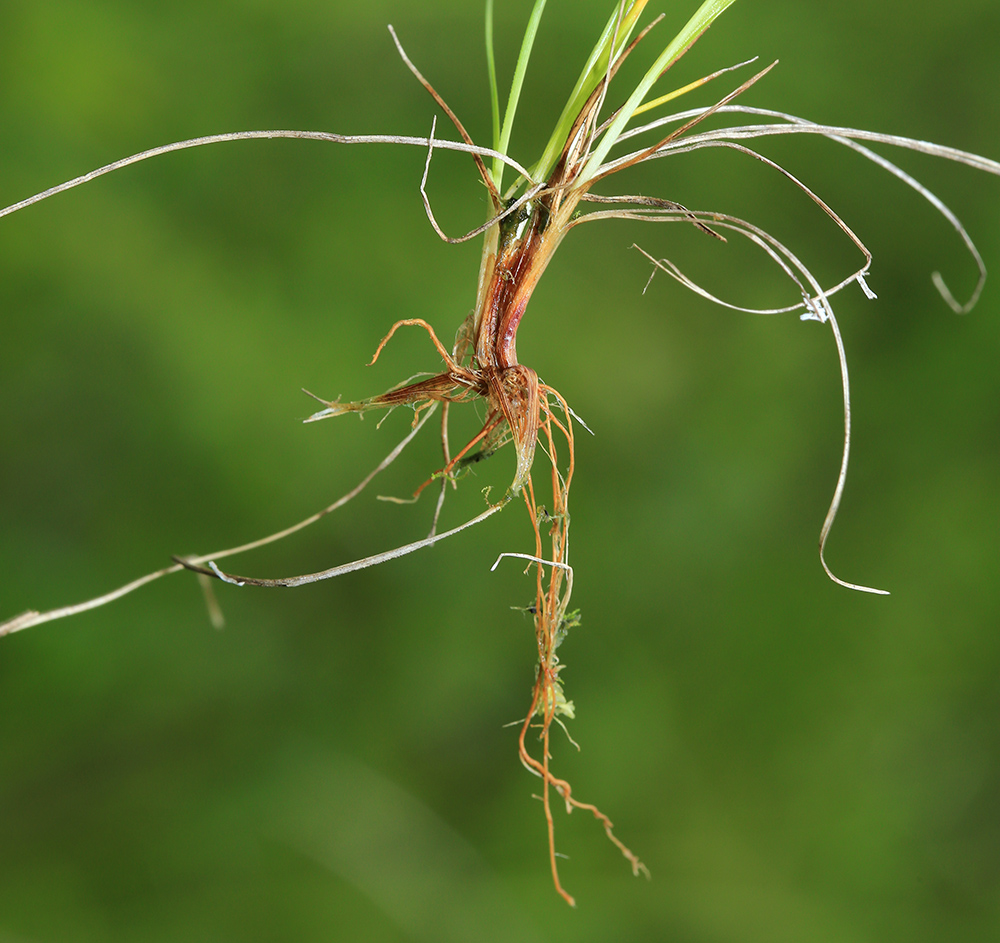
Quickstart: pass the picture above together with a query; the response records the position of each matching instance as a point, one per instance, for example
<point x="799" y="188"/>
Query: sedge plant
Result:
<point x="601" y="132"/>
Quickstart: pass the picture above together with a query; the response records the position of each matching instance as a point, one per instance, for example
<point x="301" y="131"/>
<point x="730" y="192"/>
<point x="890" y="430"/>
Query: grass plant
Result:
<point x="593" y="140"/>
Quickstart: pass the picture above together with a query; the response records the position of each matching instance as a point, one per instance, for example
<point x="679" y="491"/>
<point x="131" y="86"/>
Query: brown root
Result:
<point x="552" y="622"/>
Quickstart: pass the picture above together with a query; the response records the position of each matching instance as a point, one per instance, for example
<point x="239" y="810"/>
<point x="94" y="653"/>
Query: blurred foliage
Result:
<point x="793" y="761"/>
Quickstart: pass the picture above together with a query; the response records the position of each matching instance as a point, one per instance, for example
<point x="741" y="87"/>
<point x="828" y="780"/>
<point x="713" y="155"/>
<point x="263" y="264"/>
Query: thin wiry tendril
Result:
<point x="848" y="137"/>
<point x="817" y="307"/>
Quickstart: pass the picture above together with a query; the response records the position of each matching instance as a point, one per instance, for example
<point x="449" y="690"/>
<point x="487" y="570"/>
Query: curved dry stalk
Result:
<point x="263" y="135"/>
<point x="668" y="211"/>
<point x="480" y="166"/>
<point x="639" y="200"/>
<point x="509" y="208"/>
<point x="831" y="514"/>
<point x="822" y="204"/>
<point x="665" y="265"/>
<point x="723" y="221"/>
<point x="756" y="235"/>
<point x="26" y="620"/>
<point x="532" y="559"/>
<point x="910" y="181"/>
<point x="797" y="125"/>
<point x="670" y="207"/>
<point x="817" y="308"/>
<point x="341" y="569"/>
<point x="848" y="137"/>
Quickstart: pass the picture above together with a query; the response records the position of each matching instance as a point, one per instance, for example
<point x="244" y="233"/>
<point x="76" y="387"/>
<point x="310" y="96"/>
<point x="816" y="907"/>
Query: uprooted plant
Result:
<point x="527" y="221"/>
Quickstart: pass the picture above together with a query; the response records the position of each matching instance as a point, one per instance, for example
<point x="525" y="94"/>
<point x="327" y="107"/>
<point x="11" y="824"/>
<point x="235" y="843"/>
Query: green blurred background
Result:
<point x="793" y="761"/>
